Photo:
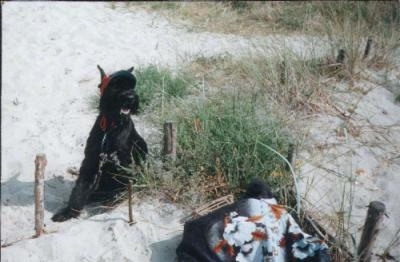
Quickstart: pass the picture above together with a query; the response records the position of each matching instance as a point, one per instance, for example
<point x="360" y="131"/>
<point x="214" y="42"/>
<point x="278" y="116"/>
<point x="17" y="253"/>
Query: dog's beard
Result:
<point x="129" y="104"/>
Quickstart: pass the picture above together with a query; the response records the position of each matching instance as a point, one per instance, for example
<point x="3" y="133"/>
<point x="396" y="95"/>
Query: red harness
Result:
<point x="103" y="85"/>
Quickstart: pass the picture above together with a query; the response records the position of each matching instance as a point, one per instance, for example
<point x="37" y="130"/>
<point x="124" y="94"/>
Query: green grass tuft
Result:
<point x="158" y="83"/>
<point x="223" y="135"/>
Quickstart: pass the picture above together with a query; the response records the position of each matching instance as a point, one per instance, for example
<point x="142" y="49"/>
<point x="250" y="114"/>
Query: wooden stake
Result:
<point x="170" y="140"/>
<point x="376" y="210"/>
<point x="283" y="69"/>
<point x="290" y="156"/>
<point x="367" y="48"/>
<point x="341" y="56"/>
<point x="40" y="164"/>
<point x="130" y="203"/>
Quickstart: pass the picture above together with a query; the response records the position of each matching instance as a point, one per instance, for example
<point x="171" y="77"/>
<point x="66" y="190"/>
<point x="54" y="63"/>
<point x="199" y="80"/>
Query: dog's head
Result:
<point x="117" y="93"/>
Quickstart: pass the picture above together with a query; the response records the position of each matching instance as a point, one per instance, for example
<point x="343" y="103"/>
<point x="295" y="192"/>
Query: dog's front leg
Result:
<point x="85" y="185"/>
<point x="77" y="200"/>
<point x="88" y="177"/>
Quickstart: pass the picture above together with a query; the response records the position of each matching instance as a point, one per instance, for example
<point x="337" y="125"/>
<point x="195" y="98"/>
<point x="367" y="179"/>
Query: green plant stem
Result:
<point x="298" y="205"/>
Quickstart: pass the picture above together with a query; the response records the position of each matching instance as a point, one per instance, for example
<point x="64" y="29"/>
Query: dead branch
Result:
<point x="40" y="164"/>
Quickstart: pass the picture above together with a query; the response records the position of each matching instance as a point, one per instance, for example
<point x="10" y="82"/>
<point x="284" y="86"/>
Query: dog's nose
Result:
<point x="128" y="93"/>
<point x="128" y="98"/>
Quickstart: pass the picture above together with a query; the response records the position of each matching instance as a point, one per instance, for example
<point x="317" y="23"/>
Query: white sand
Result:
<point x="357" y="159"/>
<point x="49" y="54"/>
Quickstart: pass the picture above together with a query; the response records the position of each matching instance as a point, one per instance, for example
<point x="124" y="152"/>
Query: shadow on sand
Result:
<point x="17" y="193"/>
<point x="164" y="251"/>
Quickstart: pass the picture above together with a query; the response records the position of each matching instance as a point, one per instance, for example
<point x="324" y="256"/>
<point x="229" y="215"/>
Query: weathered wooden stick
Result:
<point x="40" y="164"/>
<point x="290" y="156"/>
<point x="376" y="210"/>
<point x="341" y="56"/>
<point x="130" y="203"/>
<point x="170" y="140"/>
<point x="367" y="48"/>
<point x="283" y="69"/>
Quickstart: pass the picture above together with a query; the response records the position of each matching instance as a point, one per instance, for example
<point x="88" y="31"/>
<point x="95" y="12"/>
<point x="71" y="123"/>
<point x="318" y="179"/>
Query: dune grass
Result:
<point x="217" y="136"/>
<point x="249" y="18"/>
<point x="160" y="84"/>
<point x="347" y="24"/>
<point x="288" y="81"/>
<point x="222" y="135"/>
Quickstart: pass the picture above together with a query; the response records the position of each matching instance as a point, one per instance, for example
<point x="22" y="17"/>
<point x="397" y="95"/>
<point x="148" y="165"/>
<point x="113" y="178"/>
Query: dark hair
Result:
<point x="258" y="189"/>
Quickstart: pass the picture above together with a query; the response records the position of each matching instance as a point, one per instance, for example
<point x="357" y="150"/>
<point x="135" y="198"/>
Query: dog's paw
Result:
<point x="65" y="215"/>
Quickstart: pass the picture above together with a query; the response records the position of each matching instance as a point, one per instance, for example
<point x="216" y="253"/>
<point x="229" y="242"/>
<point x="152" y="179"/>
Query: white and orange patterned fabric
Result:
<point x="266" y="233"/>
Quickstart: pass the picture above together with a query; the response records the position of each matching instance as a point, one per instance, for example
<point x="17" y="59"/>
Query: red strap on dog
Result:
<point x="104" y="84"/>
<point x="103" y="123"/>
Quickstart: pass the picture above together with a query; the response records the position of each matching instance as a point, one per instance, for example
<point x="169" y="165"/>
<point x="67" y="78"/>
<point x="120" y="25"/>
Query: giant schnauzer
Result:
<point x="254" y="228"/>
<point x="113" y="142"/>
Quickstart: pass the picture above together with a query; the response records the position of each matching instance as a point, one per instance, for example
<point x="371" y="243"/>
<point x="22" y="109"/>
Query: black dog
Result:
<point x="112" y="143"/>
<point x="254" y="228"/>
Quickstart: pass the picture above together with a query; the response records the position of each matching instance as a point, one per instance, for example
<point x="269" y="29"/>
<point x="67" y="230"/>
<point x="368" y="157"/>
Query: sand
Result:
<point x="351" y="162"/>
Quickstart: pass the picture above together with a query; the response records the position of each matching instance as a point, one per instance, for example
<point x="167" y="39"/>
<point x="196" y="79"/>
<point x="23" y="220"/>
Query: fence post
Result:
<point x="376" y="210"/>
<point x="169" y="148"/>
<point x="283" y="75"/>
<point x="341" y="56"/>
<point x="367" y="48"/>
<point x="40" y="164"/>
<point x="130" y="192"/>
<point x="290" y="156"/>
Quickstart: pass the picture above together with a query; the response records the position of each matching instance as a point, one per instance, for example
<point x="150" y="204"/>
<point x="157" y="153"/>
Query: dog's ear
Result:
<point x="130" y="69"/>
<point x="102" y="74"/>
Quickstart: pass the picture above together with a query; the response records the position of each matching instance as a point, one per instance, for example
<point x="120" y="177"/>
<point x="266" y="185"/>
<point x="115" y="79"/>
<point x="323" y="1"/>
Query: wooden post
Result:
<point x="367" y="48"/>
<point x="40" y="164"/>
<point x="341" y="56"/>
<point x="290" y="155"/>
<point x="130" y="203"/>
<point x="376" y="210"/>
<point x="283" y="69"/>
<point x="170" y="140"/>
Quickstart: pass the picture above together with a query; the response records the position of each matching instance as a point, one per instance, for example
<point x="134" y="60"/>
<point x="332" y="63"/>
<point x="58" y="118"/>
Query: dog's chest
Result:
<point x="117" y="140"/>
